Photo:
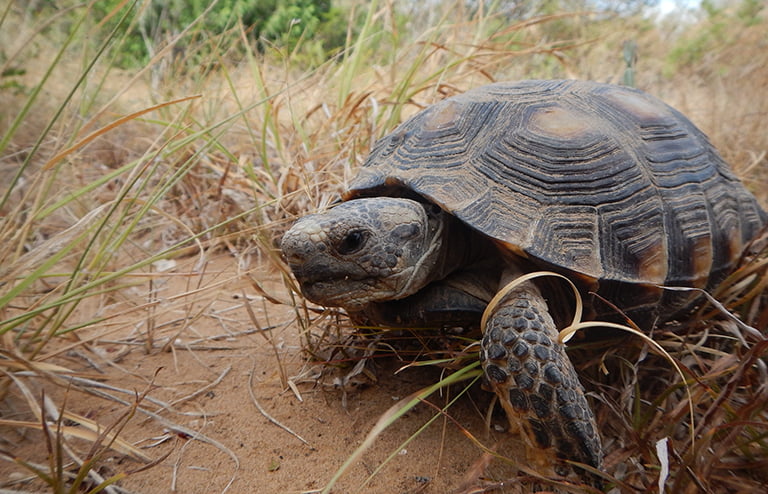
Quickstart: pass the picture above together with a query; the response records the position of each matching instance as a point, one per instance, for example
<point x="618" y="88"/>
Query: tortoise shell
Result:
<point x="601" y="181"/>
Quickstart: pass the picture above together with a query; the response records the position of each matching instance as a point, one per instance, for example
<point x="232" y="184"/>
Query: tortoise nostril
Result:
<point x="293" y="247"/>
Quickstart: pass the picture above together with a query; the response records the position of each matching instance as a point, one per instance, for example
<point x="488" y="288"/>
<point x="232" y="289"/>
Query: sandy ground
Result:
<point x="216" y="386"/>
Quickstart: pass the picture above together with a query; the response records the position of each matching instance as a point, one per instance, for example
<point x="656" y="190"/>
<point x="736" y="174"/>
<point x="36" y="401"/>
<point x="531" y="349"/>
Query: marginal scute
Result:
<point x="735" y="244"/>
<point x="653" y="263"/>
<point x="702" y="260"/>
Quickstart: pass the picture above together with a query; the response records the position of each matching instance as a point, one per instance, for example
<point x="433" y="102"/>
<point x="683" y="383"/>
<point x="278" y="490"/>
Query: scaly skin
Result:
<point x="537" y="384"/>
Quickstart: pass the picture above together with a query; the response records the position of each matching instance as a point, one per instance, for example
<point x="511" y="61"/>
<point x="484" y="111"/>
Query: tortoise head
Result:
<point x="365" y="250"/>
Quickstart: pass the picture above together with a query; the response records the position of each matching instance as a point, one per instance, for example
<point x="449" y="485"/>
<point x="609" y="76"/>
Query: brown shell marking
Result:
<point x="595" y="179"/>
<point x="560" y="123"/>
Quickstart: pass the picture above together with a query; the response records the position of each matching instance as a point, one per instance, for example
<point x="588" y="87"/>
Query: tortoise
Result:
<point x="603" y="184"/>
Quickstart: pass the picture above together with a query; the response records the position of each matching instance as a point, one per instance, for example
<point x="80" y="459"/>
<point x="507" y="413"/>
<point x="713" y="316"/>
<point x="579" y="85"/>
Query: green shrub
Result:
<point x="287" y="24"/>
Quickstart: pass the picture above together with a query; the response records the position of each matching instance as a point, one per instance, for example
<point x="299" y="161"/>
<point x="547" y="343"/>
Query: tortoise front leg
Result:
<point x="537" y="384"/>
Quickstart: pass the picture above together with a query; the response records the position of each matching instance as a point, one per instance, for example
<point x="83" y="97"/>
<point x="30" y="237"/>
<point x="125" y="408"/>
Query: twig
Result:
<point x="184" y="431"/>
<point x="252" y="316"/>
<point x="264" y="412"/>
<point x="203" y="389"/>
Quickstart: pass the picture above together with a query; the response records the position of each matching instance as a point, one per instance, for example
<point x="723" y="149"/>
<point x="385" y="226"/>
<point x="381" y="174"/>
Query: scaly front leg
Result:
<point x="537" y="384"/>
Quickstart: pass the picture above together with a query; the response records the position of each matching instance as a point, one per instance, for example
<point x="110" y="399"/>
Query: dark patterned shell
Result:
<point x="595" y="179"/>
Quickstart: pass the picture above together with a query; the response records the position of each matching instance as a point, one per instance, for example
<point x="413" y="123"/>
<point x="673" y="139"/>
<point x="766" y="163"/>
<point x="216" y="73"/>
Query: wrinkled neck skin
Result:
<point x="431" y="265"/>
<point x="460" y="247"/>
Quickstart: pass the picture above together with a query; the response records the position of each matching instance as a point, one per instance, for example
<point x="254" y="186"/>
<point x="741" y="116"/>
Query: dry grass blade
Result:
<point x="200" y="391"/>
<point x="14" y="363"/>
<point x="180" y="430"/>
<point x="266" y="414"/>
<point x="103" y="130"/>
<point x="255" y="321"/>
<point x="104" y="434"/>
<point x="753" y="333"/>
<point x="92" y="434"/>
<point x="101" y="439"/>
<point x="38" y="261"/>
<point x="565" y="334"/>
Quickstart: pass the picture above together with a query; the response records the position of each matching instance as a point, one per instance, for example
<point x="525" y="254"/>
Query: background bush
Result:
<point x="286" y="24"/>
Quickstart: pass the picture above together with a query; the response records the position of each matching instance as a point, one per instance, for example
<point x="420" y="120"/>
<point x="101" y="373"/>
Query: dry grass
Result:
<point x="108" y="183"/>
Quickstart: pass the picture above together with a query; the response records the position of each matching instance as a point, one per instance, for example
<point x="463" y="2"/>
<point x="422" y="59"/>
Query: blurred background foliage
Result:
<point x="313" y="31"/>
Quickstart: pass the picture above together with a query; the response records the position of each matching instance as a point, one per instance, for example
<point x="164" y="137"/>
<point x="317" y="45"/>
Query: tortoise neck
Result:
<point x="461" y="247"/>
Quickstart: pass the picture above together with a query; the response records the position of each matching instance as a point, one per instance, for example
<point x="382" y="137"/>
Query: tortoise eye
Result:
<point x="352" y="242"/>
